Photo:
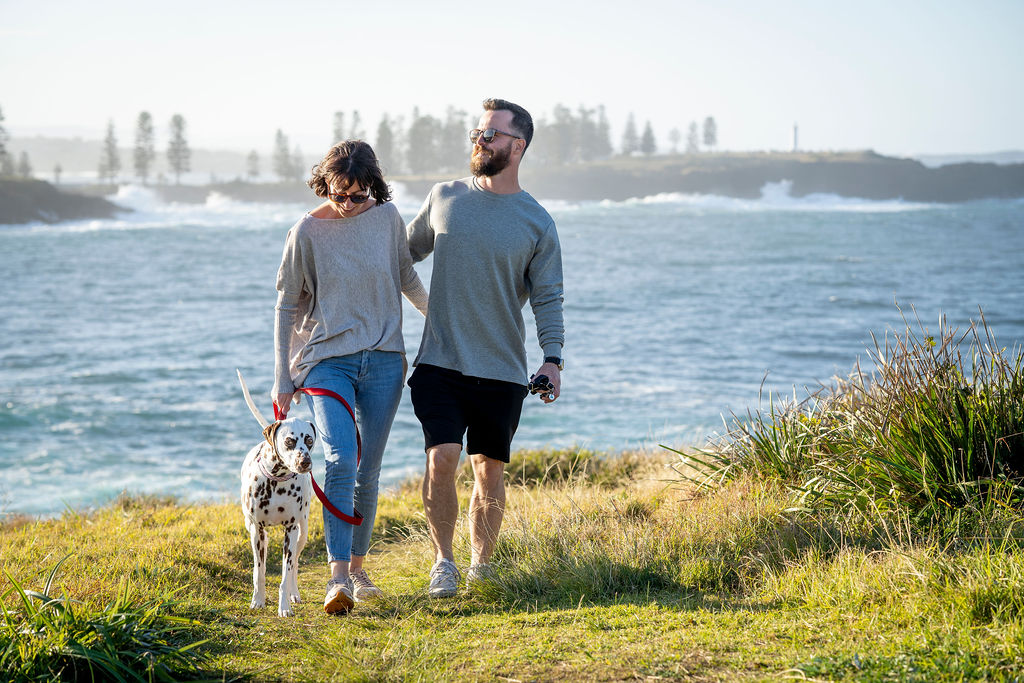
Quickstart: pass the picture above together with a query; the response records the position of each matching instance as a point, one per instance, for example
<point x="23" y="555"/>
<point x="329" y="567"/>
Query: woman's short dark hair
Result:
<point x="522" y="122"/>
<point x="351" y="161"/>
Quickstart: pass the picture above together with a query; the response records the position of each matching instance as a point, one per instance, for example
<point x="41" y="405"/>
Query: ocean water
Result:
<point x="121" y="337"/>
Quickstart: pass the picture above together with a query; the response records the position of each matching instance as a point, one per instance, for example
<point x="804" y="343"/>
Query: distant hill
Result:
<point x="1002" y="158"/>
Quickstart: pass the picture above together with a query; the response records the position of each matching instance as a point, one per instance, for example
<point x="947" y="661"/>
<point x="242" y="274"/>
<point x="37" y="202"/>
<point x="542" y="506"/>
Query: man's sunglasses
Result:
<point x="488" y="135"/>
<point x="356" y="198"/>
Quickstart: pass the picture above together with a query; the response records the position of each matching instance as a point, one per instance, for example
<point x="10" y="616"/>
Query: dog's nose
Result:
<point x="305" y="463"/>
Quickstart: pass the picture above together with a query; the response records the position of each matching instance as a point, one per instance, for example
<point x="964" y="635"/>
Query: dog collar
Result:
<point x="266" y="473"/>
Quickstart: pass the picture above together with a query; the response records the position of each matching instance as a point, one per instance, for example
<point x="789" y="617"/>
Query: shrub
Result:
<point x="937" y="429"/>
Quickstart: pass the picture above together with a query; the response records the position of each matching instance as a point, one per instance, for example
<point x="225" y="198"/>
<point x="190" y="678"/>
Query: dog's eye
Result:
<point x="309" y="441"/>
<point x="290" y="442"/>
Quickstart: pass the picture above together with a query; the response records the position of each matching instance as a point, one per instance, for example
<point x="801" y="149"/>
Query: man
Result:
<point x="495" y="248"/>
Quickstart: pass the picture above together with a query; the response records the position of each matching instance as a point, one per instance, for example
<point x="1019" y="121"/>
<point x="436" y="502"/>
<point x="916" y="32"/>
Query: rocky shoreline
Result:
<point x="863" y="175"/>
<point x="30" y="201"/>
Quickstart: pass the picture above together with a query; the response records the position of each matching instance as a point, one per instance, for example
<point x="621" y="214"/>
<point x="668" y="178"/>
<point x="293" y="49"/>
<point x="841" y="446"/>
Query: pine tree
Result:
<point x="385" y="146"/>
<point x="282" y="158"/>
<point x="6" y="163"/>
<point x="145" y="147"/>
<point x="692" y="139"/>
<point x="674" y="136"/>
<point x="338" y="132"/>
<point x="454" y="147"/>
<point x="178" y="154"/>
<point x="110" y="158"/>
<point x="297" y="164"/>
<point x="586" y="135"/>
<point x="252" y="165"/>
<point x="57" y="170"/>
<point x="422" y="151"/>
<point x="24" y="167"/>
<point x="630" y="139"/>
<point x="564" y="136"/>
<point x="356" y="132"/>
<point x="603" y="142"/>
<point x="647" y="143"/>
<point x="710" y="132"/>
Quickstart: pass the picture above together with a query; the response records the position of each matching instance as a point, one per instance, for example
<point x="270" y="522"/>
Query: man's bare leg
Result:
<point x="440" y="502"/>
<point x="486" y="506"/>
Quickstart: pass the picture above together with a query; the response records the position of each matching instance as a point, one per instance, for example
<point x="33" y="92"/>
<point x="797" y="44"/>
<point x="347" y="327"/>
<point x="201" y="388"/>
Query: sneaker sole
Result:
<point x="443" y="592"/>
<point x="338" y="604"/>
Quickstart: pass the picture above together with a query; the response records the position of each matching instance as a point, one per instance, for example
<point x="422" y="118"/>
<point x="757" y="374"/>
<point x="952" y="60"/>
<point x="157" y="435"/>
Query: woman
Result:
<point x="339" y="327"/>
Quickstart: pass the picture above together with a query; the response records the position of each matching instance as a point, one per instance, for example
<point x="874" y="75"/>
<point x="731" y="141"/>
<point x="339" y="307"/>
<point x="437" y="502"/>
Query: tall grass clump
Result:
<point x="46" y="637"/>
<point x="935" y="431"/>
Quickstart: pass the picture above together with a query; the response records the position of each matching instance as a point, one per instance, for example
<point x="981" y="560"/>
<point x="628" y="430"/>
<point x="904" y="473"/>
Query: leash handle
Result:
<point x="357" y="518"/>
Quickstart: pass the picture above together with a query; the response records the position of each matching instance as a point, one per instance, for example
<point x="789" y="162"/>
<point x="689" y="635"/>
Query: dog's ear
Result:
<point x="270" y="433"/>
<point x="313" y="427"/>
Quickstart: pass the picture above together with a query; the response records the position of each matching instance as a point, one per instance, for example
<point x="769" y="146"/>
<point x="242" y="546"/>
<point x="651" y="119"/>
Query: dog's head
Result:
<point x="293" y="441"/>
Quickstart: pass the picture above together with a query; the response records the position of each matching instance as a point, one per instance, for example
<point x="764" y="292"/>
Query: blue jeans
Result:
<point x="371" y="382"/>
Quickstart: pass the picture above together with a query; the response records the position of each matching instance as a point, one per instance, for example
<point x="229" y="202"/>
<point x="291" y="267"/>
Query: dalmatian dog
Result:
<point x="276" y="492"/>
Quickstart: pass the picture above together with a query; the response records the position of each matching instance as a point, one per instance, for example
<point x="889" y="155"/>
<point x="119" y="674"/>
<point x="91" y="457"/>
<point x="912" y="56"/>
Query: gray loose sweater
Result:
<point x="340" y="288"/>
<point x="492" y="254"/>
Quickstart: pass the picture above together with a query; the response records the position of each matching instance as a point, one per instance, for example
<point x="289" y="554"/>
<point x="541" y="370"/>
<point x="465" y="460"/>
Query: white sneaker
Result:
<point x="362" y="587"/>
<point x="479" y="574"/>
<point x="339" y="596"/>
<point x="444" y="579"/>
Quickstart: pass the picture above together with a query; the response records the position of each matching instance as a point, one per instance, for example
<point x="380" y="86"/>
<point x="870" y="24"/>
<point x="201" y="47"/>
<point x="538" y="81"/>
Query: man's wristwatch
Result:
<point x="556" y="360"/>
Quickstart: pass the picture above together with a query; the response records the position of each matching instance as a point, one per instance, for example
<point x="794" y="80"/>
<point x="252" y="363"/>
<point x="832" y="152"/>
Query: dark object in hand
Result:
<point x="542" y="385"/>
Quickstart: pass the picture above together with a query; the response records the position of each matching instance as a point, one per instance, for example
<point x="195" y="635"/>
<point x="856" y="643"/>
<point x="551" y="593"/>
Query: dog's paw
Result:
<point x="258" y="601"/>
<point x="295" y="599"/>
<point x="285" y="612"/>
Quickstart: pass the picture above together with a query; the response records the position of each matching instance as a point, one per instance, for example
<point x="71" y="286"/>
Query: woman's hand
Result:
<point x="284" y="403"/>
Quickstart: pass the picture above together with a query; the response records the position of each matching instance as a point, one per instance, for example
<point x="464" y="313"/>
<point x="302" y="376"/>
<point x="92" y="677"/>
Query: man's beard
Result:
<point x="491" y="166"/>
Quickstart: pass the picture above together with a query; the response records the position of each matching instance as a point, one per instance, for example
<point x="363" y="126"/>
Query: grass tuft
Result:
<point x="937" y="431"/>
<point x="53" y="638"/>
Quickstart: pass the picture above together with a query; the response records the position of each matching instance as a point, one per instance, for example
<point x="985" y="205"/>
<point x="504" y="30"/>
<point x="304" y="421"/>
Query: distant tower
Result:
<point x="796" y="145"/>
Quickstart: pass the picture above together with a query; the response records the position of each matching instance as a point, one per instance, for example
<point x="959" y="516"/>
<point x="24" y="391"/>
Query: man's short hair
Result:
<point x="522" y="122"/>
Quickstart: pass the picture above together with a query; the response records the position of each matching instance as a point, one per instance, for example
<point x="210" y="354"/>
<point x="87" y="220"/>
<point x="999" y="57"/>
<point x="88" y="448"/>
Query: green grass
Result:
<point x="636" y="579"/>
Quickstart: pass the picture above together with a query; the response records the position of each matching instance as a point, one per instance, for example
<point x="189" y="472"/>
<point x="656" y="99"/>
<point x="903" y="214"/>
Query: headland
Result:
<point x="864" y="175"/>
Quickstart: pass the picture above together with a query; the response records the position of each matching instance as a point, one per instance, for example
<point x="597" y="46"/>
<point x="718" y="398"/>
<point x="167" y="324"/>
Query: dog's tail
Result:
<point x="248" y="401"/>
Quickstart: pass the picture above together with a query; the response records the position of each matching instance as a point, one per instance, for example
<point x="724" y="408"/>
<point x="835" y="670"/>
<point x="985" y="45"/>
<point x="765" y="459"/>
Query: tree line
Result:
<point x="417" y="144"/>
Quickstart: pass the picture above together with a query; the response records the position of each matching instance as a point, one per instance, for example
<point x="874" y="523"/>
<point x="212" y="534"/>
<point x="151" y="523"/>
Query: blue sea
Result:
<point x="121" y="337"/>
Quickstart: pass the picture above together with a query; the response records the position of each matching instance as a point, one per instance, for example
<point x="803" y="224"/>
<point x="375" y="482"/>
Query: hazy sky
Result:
<point x="902" y="77"/>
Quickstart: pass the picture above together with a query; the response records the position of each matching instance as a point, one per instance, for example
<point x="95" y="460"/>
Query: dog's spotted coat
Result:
<point x="276" y="491"/>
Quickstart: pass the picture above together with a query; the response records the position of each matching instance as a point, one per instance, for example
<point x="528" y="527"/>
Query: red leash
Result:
<point x="357" y="519"/>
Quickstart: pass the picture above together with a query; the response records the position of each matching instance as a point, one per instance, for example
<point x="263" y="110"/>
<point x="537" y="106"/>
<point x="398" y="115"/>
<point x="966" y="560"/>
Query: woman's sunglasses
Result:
<point x="356" y="198"/>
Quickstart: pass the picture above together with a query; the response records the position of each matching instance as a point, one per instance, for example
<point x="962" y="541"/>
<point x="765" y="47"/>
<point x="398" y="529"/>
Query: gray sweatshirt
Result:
<point x="339" y="291"/>
<point x="492" y="254"/>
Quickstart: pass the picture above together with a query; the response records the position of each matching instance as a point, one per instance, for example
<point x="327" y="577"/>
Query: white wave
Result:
<point x="146" y="210"/>
<point x="775" y="196"/>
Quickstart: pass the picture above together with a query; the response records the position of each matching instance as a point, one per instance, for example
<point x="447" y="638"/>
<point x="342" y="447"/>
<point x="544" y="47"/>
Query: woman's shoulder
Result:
<point x="303" y="225"/>
<point x="388" y="209"/>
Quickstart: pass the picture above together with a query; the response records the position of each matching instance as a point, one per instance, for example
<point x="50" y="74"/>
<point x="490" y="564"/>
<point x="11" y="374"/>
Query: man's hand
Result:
<point x="554" y="375"/>
<point x="284" y="403"/>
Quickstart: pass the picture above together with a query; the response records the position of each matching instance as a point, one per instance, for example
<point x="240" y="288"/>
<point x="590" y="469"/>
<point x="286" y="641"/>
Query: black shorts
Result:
<point x="450" y="404"/>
